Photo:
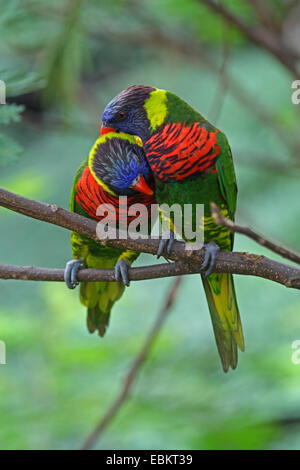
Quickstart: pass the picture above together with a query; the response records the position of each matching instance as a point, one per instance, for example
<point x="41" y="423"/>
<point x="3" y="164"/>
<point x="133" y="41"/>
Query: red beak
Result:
<point x="143" y="187"/>
<point x="106" y="130"/>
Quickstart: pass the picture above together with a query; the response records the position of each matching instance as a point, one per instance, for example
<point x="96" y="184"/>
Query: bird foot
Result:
<point x="166" y="243"/>
<point x="71" y="271"/>
<point x="211" y="251"/>
<point x="122" y="272"/>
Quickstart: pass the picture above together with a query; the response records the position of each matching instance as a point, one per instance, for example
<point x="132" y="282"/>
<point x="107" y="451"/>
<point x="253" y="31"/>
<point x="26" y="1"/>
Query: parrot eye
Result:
<point x="135" y="181"/>
<point x="120" y="117"/>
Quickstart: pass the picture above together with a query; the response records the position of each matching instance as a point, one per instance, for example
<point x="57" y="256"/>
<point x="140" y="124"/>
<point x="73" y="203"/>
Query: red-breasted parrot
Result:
<point x="116" y="167"/>
<point x="192" y="164"/>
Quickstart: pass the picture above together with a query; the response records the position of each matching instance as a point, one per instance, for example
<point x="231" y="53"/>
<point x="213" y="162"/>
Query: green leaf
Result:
<point x="9" y="150"/>
<point x="10" y="113"/>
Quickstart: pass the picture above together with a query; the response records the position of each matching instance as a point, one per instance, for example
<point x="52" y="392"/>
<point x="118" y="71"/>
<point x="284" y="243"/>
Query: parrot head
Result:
<point x="135" y="111"/>
<point x="117" y="161"/>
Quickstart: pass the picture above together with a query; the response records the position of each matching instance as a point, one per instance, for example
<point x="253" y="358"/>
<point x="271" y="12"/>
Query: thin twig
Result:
<point x="233" y="227"/>
<point x="259" y="36"/>
<point x="222" y="85"/>
<point x="134" y="369"/>
<point x="265" y="15"/>
<point x="232" y="262"/>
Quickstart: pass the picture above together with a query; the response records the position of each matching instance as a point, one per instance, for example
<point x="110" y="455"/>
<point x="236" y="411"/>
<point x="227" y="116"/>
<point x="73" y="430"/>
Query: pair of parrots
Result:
<point x="155" y="147"/>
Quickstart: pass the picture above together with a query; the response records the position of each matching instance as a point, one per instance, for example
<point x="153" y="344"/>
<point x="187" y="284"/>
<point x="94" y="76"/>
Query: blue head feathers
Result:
<point x="126" y="113"/>
<point x="122" y="166"/>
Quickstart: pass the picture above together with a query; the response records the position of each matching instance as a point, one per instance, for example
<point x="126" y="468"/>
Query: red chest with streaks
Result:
<point x="177" y="151"/>
<point x="90" y="195"/>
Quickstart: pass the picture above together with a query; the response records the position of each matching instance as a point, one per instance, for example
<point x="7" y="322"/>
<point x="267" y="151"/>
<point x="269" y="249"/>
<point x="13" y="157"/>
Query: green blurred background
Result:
<point x="62" y="62"/>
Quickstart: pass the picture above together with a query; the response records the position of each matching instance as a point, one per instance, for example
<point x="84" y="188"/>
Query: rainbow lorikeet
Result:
<point x="116" y="167"/>
<point x="192" y="164"/>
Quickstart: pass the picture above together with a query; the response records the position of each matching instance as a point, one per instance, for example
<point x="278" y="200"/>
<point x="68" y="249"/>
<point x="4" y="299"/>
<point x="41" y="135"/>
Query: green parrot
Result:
<point x="116" y="167"/>
<point x="192" y="164"/>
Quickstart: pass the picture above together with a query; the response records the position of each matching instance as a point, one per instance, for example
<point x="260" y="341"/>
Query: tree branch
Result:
<point x="259" y="36"/>
<point x="190" y="260"/>
<point x="134" y="369"/>
<point x="280" y="250"/>
<point x="155" y="271"/>
<point x="265" y="16"/>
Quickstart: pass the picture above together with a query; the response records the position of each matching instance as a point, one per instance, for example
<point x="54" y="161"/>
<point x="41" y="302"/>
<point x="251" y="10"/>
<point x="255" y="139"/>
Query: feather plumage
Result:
<point x="192" y="164"/>
<point x="107" y="170"/>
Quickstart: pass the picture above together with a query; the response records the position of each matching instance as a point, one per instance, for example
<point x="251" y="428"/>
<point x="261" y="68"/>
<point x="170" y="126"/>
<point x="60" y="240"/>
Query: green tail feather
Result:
<point x="221" y="299"/>
<point x="99" y="298"/>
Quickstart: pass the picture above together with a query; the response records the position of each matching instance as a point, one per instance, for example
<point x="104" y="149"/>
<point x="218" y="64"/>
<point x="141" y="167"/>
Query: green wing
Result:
<point x="226" y="175"/>
<point x="219" y="288"/>
<point x="98" y="297"/>
<point x="77" y="176"/>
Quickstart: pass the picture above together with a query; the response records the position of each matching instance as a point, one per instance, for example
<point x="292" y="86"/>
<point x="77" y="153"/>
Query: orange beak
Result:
<point x="106" y="130"/>
<point x="143" y="187"/>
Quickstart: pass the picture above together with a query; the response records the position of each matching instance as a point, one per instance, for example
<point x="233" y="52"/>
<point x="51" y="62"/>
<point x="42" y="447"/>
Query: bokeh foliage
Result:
<point x="62" y="61"/>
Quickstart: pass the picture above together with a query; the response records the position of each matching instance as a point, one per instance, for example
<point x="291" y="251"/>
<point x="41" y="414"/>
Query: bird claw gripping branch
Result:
<point x="210" y="255"/>
<point x="166" y="243"/>
<point x="71" y="271"/>
<point x="122" y="272"/>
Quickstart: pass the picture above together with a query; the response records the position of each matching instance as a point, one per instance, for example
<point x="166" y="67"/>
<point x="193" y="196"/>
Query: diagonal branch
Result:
<point x="280" y="250"/>
<point x="261" y="37"/>
<point x="265" y="15"/>
<point x="191" y="260"/>
<point x="134" y="369"/>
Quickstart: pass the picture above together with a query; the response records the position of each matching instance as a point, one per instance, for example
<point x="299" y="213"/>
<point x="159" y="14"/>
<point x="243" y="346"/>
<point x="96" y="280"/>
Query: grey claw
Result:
<point x="206" y="258"/>
<point x="210" y="269"/>
<point x="170" y="244"/>
<point x="211" y="251"/>
<point x="71" y="271"/>
<point x="122" y="272"/>
<point x="161" y="248"/>
<point x="166" y="242"/>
